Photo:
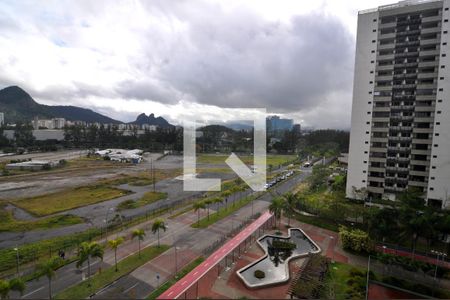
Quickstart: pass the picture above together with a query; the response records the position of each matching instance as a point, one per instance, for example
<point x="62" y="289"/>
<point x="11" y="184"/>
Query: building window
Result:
<point x="442" y="67"/>
<point x="436" y="134"/>
<point x="438" y="123"/>
<point x="445" y="32"/>
<point x="434" y="156"/>
<point x="370" y="93"/>
<point x="435" y="145"/>
<point x="365" y="152"/>
<point x="367" y="132"/>
<point x="373" y="51"/>
<point x="370" y="82"/>
<point x="365" y="161"/>
<point x="432" y="178"/>
<point x="374" y="20"/>
<point x="439" y="111"/>
<point x="433" y="167"/>
<point x="371" y="72"/>
<point x="366" y="142"/>
<point x="441" y="89"/>
<point x="444" y="43"/>
<point x="441" y="78"/>
<point x="364" y="172"/>
<point x="370" y="102"/>
<point x="374" y="30"/>
<point x="368" y="123"/>
<point x="368" y="112"/>
<point x="440" y="100"/>
<point x="431" y="189"/>
<point x="446" y="20"/>
<point x="363" y="181"/>
<point x="444" y="55"/>
<point x="446" y="8"/>
<point x="373" y="41"/>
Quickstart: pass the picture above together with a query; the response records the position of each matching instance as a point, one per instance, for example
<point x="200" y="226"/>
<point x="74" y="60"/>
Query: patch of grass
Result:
<point x="224" y="212"/>
<point x="164" y="287"/>
<point x="183" y="211"/>
<point x="142" y="178"/>
<point x="9" y="223"/>
<point x="148" y="198"/>
<point x="337" y="279"/>
<point x="71" y="198"/>
<point x="98" y="281"/>
<point x="317" y="221"/>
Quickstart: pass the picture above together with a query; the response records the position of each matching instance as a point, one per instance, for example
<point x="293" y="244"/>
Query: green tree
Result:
<point x="289" y="203"/>
<point x="4" y="289"/>
<point x="217" y="200"/>
<point x="197" y="207"/>
<point x="276" y="207"/>
<point x="157" y="226"/>
<point x="48" y="269"/>
<point x="140" y="235"/>
<point x="88" y="251"/>
<point x="208" y="202"/>
<point x="355" y="240"/>
<point x="114" y="244"/>
<point x="17" y="284"/>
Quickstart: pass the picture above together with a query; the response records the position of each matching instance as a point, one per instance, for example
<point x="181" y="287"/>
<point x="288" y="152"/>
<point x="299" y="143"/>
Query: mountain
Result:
<point x="19" y="106"/>
<point x="151" y="120"/>
<point x="215" y="129"/>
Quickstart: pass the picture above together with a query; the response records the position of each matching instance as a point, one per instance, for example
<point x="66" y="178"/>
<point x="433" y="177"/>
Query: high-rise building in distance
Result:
<point x="400" y="128"/>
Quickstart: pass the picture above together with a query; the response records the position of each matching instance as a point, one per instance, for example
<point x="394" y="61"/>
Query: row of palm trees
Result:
<point x="87" y="252"/>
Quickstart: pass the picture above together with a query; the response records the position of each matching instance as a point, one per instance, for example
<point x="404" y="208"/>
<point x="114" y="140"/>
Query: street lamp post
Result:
<point x="106" y="222"/>
<point x="176" y="261"/>
<point x="332" y="249"/>
<point x="384" y="249"/>
<point x="438" y="254"/>
<point x="17" y="259"/>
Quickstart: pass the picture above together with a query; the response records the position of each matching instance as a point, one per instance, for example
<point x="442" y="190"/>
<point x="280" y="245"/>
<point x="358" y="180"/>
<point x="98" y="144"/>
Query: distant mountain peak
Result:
<point x="19" y="106"/>
<point x="151" y="120"/>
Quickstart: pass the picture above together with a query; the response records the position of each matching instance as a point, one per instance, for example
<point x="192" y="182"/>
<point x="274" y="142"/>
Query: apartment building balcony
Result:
<point x="405" y="76"/>
<point x="382" y="98"/>
<point x="427" y="75"/>
<point x="397" y="169"/>
<point x="389" y="35"/>
<point x="420" y="162"/>
<point x="418" y="173"/>
<point x="425" y="97"/>
<point x="424" y="119"/>
<point x="408" y="32"/>
<point x="389" y="56"/>
<point x="375" y="190"/>
<point x="426" y="86"/>
<point x="380" y="88"/>
<point x="398" y="149"/>
<point x="383" y="78"/>
<point x="376" y="169"/>
<point x="436" y="29"/>
<point x="379" y="139"/>
<point x="400" y="138"/>
<point x="409" y="22"/>
<point x="437" y="18"/>
<point x="404" y="86"/>
<point x="392" y="24"/>
<point x="404" y="97"/>
<point x="386" y="46"/>
<point x="378" y="149"/>
<point x="377" y="159"/>
<point x="375" y="179"/>
<point x="406" y="65"/>
<point x="401" y="118"/>
<point x="380" y="129"/>
<point x="407" y="43"/>
<point x="385" y="68"/>
<point x="422" y="141"/>
<point x="421" y="152"/>
<point x="406" y="129"/>
<point x="381" y="109"/>
<point x="406" y="54"/>
<point x="403" y="107"/>
<point x="429" y="53"/>
<point x="398" y="159"/>
<point x="429" y="42"/>
<point x="417" y="183"/>
<point x="428" y="108"/>
<point x="394" y="189"/>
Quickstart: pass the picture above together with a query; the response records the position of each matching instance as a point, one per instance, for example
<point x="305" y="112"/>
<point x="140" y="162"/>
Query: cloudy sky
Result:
<point x="204" y="59"/>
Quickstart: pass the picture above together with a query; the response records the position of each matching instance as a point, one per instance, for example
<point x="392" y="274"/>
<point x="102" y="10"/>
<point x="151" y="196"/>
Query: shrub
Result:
<point x="259" y="274"/>
<point x="355" y="240"/>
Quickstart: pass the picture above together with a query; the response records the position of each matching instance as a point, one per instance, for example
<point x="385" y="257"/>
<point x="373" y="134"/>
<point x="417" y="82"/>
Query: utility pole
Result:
<point x="367" y="281"/>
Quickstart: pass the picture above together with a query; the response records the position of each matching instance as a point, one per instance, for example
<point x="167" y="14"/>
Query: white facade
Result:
<point x="2" y="119"/>
<point x="366" y="47"/>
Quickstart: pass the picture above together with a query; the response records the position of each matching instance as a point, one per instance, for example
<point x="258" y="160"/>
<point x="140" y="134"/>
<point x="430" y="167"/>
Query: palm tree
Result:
<point x="217" y="200"/>
<point x="4" y="289"/>
<point x="139" y="234"/>
<point x="88" y="251"/>
<point x="114" y="244"/>
<point x="276" y="207"/>
<point x="289" y="203"/>
<point x="17" y="284"/>
<point x="157" y="225"/>
<point x="197" y="206"/>
<point x="48" y="269"/>
<point x="207" y="203"/>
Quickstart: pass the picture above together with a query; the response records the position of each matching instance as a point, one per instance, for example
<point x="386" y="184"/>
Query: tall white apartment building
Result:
<point x="2" y="119"/>
<point x="400" y="133"/>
